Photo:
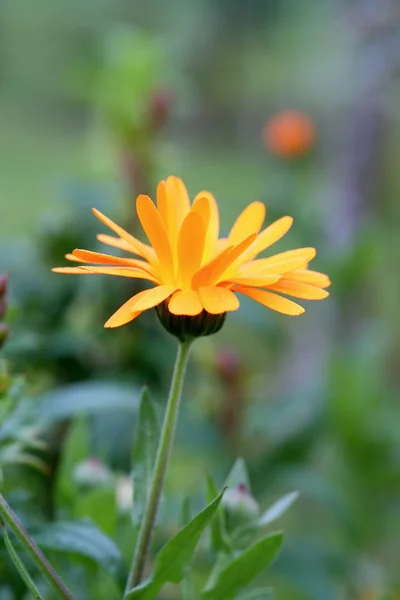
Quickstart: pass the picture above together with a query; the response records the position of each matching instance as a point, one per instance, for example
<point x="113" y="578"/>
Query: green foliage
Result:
<point x="83" y="540"/>
<point x="174" y="558"/>
<point x="144" y="454"/>
<point x="244" y="567"/>
<point x="20" y="566"/>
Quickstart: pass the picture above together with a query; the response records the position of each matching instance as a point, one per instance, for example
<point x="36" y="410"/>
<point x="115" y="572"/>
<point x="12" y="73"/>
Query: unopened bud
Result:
<point x="160" y="108"/>
<point x="91" y="472"/>
<point x="3" y="285"/>
<point x="3" y="307"/>
<point x="240" y="505"/>
<point x="4" y="333"/>
<point x="124" y="494"/>
<point x="228" y="364"/>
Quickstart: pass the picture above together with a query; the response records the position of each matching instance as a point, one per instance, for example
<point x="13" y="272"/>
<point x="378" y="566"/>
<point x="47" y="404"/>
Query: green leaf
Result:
<point x="243" y="568"/>
<point x="219" y="535"/>
<point x="84" y="539"/>
<point x="174" y="558"/>
<point x="277" y="509"/>
<point x="144" y="454"/>
<point x="187" y="585"/>
<point x="238" y="475"/>
<point x="19" y="565"/>
<point x="86" y="398"/>
<point x="99" y="506"/>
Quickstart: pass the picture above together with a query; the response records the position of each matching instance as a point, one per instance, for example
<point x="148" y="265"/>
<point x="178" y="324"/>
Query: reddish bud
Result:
<point x="4" y="333"/>
<point x="289" y="134"/>
<point x="228" y="365"/>
<point x="3" y="307"/>
<point x="3" y="285"/>
<point x="160" y="108"/>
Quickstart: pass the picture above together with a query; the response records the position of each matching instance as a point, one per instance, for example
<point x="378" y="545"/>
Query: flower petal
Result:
<point x="218" y="300"/>
<point x="261" y="281"/>
<point x="298" y="289"/>
<point x="155" y="230"/>
<point x="70" y="270"/>
<point x="123" y="315"/>
<point x="150" y="298"/>
<point x="273" y="301"/>
<point x="119" y="272"/>
<point x="177" y="189"/>
<point x="212" y="220"/>
<point x="269" y="236"/>
<point x="137" y="246"/>
<point x="213" y="272"/>
<point x="162" y="204"/>
<point x="279" y="263"/>
<point x="185" y="302"/>
<point x="178" y="206"/>
<point x="191" y="246"/>
<point x="311" y="277"/>
<point x="106" y="259"/>
<point x="248" y="222"/>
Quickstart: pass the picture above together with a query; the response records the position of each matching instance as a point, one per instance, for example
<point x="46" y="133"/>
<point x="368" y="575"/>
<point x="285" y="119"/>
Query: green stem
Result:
<point x="10" y="518"/>
<point x="20" y="565"/>
<point x="160" y="468"/>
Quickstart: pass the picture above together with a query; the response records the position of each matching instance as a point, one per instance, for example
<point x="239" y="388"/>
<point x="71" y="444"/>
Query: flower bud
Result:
<point x="3" y="285"/>
<point x="186" y="327"/>
<point x="4" y="333"/>
<point x="289" y="134"/>
<point x="160" y="107"/>
<point x="241" y="507"/>
<point x="124" y="494"/>
<point x="228" y="365"/>
<point x="3" y="307"/>
<point x="91" y="472"/>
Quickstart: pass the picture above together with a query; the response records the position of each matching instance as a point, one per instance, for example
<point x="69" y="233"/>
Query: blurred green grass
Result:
<point x="35" y="160"/>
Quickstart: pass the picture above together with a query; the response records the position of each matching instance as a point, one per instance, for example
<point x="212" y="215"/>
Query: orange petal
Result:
<point x="178" y="206"/>
<point x="155" y="230"/>
<point x="298" y="289"/>
<point x="137" y="246"/>
<point x="212" y="220"/>
<point x="177" y="189"/>
<point x="150" y="298"/>
<point x="106" y="259"/>
<point x="279" y="263"/>
<point x="73" y="258"/>
<point x="109" y="240"/>
<point x="248" y="222"/>
<point x="70" y="270"/>
<point x="119" y="272"/>
<point x="218" y="300"/>
<point x="185" y="302"/>
<point x="261" y="281"/>
<point x="311" y="277"/>
<point x="123" y="315"/>
<point x="269" y="236"/>
<point x="273" y="301"/>
<point x="162" y="204"/>
<point x="191" y="246"/>
<point x="214" y="271"/>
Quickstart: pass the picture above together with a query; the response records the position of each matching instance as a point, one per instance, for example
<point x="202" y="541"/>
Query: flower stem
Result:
<point x="9" y="517"/>
<point x="160" y="468"/>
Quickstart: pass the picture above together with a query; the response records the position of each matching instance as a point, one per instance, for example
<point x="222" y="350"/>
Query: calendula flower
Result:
<point x="197" y="276"/>
<point x="289" y="134"/>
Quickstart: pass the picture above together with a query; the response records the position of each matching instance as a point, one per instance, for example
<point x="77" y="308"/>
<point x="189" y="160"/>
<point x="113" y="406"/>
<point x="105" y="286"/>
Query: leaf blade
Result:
<point x="243" y="568"/>
<point x="144" y="454"/>
<point x="174" y="558"/>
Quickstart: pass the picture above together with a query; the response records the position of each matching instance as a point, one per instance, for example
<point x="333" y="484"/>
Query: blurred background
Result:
<point x="291" y="103"/>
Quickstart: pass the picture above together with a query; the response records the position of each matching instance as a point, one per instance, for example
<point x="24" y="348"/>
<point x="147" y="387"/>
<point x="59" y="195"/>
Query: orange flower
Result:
<point x="289" y="134"/>
<point x="195" y="273"/>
